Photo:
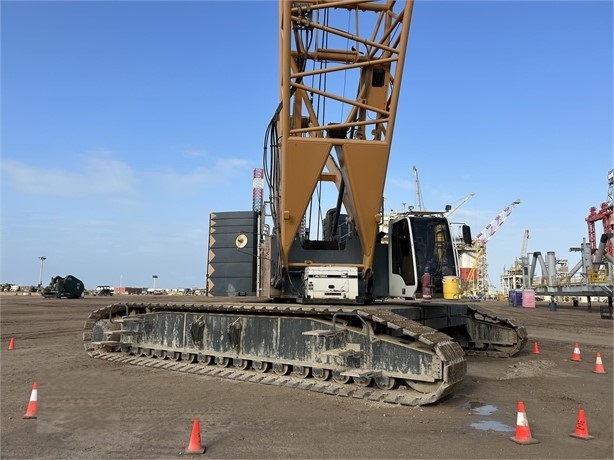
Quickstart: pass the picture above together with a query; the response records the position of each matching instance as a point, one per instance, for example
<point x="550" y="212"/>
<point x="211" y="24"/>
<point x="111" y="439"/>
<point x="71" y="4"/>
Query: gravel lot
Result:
<point x="94" y="409"/>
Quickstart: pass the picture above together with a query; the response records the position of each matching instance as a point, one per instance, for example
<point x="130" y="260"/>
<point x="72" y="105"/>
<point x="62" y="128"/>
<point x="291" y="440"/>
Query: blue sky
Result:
<point x="124" y="124"/>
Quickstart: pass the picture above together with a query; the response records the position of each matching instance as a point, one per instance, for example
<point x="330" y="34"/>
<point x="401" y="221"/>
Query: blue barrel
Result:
<point x="518" y="302"/>
<point x="515" y="299"/>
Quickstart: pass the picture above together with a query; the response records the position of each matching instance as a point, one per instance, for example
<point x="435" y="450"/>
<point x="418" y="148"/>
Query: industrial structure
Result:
<point x="516" y="277"/>
<point x="603" y="214"/>
<point x="591" y="277"/>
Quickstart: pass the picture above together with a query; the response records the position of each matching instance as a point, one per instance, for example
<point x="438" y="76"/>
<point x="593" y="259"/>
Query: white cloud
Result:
<point x="400" y="183"/>
<point x="101" y="175"/>
<point x="223" y="171"/>
<point x="195" y="153"/>
<point x="94" y="176"/>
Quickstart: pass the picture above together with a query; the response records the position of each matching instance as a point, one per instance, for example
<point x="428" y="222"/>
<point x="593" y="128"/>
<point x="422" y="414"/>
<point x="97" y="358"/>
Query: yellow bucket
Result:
<point x="451" y="287"/>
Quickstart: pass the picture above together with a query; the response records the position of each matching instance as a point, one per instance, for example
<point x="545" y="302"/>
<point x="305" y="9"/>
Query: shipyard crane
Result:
<point x="463" y="201"/>
<point x="525" y="243"/>
<point x="489" y="231"/>
<point x="419" y="203"/>
<point x="517" y="276"/>
<point x="478" y="275"/>
<point x="343" y="307"/>
<point x="524" y="260"/>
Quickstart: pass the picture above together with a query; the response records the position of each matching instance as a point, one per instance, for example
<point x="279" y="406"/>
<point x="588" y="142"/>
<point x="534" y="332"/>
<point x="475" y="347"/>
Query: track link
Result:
<point x="410" y="393"/>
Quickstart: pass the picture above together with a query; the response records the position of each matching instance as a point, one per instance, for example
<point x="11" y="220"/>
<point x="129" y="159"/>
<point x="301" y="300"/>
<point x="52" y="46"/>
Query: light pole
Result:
<point x="40" y="276"/>
<point x="155" y="277"/>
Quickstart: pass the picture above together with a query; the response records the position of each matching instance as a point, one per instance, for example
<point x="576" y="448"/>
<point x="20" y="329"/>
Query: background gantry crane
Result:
<point x="604" y="214"/>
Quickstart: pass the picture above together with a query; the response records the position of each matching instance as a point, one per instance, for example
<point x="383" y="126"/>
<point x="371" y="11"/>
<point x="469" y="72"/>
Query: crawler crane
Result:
<point x="336" y="309"/>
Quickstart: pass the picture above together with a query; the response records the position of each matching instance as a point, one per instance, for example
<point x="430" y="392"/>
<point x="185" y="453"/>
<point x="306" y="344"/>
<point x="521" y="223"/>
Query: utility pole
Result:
<point x="40" y="276"/>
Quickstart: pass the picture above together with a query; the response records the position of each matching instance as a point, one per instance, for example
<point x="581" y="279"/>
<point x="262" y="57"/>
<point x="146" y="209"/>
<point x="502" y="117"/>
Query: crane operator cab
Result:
<point x="421" y="244"/>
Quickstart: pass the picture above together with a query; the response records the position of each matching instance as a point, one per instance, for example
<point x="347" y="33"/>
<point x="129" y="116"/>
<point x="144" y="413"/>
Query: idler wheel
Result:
<point x="281" y="369"/>
<point x="363" y="381"/>
<point x="261" y="366"/>
<point x="242" y="364"/>
<point x="320" y="374"/>
<point x="160" y="354"/>
<point x="422" y="387"/>
<point x="301" y="371"/>
<point x="337" y="377"/>
<point x="386" y="383"/>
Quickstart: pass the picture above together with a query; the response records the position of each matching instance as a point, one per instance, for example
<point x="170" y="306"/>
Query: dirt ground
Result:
<point x="94" y="409"/>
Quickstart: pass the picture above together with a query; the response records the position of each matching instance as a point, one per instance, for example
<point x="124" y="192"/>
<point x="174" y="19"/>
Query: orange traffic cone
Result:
<point x="535" y="348"/>
<point x="12" y="343"/>
<point x="599" y="369"/>
<point x="523" y="432"/>
<point x="31" y="411"/>
<point x="576" y="353"/>
<point x="195" y="447"/>
<point x="581" y="427"/>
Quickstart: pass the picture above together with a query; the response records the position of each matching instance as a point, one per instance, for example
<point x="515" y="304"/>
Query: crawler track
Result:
<point x="442" y="374"/>
<point x="402" y="395"/>
<point x="516" y="333"/>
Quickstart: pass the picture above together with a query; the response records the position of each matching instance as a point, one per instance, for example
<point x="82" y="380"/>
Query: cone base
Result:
<point x="579" y="436"/>
<point x="524" y="441"/>
<point x="29" y="416"/>
<point x="196" y="451"/>
<point x="576" y="359"/>
<point x="600" y="372"/>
